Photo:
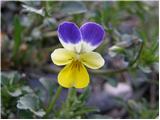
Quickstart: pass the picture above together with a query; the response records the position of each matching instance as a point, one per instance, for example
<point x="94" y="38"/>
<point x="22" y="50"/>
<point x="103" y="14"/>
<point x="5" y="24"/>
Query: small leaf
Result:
<point x="8" y="78"/>
<point x="16" y="93"/>
<point x="114" y="50"/>
<point x="30" y="102"/>
<point x="71" y="8"/>
<point x="27" y="102"/>
<point x="112" y="53"/>
<point x="31" y="9"/>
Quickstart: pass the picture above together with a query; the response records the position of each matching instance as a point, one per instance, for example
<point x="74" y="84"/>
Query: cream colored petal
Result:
<point x="92" y="60"/>
<point x="62" y="56"/>
<point x="74" y="75"/>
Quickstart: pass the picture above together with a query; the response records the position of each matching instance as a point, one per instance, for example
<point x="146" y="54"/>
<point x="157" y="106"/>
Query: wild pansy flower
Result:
<point x="77" y="53"/>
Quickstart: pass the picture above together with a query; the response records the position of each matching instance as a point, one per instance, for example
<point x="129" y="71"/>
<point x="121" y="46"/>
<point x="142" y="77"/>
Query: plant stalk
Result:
<point x="52" y="103"/>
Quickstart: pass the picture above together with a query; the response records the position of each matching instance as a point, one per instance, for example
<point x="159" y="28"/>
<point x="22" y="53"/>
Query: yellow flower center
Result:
<point x="77" y="57"/>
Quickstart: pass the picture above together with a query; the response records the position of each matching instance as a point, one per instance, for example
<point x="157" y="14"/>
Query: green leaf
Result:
<point x="114" y="50"/>
<point x="9" y="78"/>
<point x="17" y="35"/>
<point x="19" y="91"/>
<point x="15" y="93"/>
<point x="30" y="102"/>
<point x="71" y="8"/>
<point x="84" y="95"/>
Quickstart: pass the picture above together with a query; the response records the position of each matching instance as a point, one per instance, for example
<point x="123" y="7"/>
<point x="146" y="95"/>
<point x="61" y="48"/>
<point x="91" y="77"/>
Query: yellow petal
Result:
<point x="62" y="56"/>
<point x="73" y="75"/>
<point x="92" y="60"/>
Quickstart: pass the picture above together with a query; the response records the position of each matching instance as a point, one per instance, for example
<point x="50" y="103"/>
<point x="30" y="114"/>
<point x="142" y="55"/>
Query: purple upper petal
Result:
<point x="92" y="33"/>
<point x="68" y="32"/>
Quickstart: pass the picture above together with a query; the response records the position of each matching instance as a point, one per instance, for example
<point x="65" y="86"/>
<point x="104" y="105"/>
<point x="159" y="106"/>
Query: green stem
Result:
<point x="71" y="93"/>
<point x="51" y="105"/>
<point x="66" y="108"/>
<point x="108" y="72"/>
<point x="138" y="55"/>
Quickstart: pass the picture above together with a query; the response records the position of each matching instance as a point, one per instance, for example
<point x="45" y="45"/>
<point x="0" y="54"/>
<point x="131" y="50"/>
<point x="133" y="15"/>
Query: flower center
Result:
<point x="77" y="57"/>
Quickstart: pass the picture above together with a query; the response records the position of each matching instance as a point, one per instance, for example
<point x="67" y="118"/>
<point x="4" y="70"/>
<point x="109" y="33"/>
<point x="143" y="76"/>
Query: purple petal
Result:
<point x="92" y="33"/>
<point x="68" y="32"/>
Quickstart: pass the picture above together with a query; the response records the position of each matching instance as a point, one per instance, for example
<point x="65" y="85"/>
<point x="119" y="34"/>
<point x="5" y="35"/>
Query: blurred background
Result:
<point x="126" y="87"/>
